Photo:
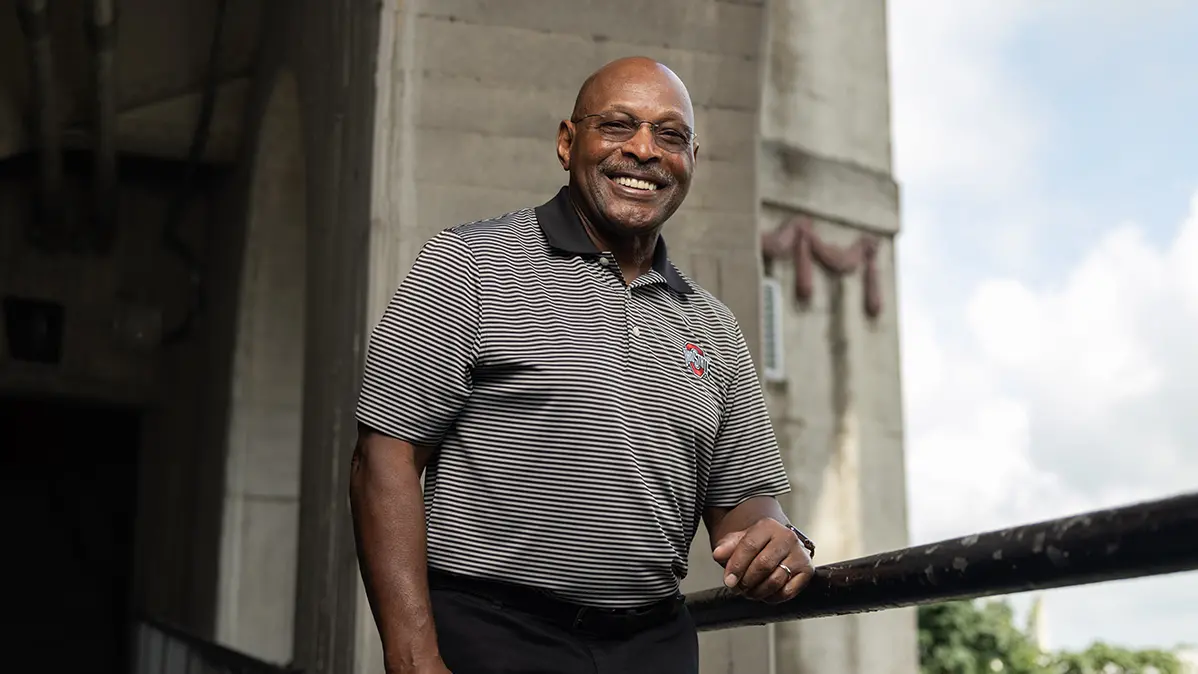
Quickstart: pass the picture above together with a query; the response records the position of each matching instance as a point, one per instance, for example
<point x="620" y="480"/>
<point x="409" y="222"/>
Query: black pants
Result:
<point x="491" y="628"/>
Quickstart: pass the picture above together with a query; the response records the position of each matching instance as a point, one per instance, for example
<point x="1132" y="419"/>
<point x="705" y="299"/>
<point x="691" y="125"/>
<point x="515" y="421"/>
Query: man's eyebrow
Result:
<point x="670" y="116"/>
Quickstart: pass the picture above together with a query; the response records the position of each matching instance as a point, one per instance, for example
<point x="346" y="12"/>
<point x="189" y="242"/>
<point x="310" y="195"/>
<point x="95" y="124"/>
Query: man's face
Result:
<point x="628" y="176"/>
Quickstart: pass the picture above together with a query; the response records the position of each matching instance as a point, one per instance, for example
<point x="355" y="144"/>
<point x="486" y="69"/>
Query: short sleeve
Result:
<point x="745" y="461"/>
<point x="421" y="355"/>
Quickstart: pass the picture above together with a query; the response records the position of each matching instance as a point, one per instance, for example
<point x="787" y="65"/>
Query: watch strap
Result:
<point x="807" y="542"/>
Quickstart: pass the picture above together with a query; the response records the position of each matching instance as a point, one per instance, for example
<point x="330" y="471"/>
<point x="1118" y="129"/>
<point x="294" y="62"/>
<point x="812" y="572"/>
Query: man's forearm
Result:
<point x="388" y="514"/>
<point x="723" y="521"/>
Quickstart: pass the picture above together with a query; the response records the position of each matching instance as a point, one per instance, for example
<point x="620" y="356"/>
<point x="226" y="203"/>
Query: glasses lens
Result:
<point x="672" y="140"/>
<point x="619" y="128"/>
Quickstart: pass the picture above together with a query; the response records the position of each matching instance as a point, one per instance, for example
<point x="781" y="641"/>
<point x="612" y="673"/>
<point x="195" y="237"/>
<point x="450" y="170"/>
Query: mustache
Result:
<point x="651" y="171"/>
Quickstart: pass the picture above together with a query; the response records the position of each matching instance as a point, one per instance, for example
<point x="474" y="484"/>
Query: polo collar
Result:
<point x="564" y="231"/>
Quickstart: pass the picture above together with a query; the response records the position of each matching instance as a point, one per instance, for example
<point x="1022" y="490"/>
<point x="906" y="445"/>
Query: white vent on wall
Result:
<point x="772" y="306"/>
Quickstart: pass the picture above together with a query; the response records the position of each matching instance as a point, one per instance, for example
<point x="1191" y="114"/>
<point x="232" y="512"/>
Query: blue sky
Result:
<point x="1048" y="156"/>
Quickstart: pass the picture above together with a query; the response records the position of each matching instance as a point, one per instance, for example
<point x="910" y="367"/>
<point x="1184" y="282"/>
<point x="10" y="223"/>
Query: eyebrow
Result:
<point x="672" y="116"/>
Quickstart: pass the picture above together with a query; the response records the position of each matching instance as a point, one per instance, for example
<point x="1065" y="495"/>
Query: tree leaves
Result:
<point x="982" y="638"/>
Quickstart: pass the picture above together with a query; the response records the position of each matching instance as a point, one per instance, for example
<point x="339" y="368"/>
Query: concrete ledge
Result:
<point x="794" y="179"/>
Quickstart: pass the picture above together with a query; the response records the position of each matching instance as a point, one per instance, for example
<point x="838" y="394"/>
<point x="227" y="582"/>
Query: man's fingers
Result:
<point x="803" y="572"/>
<point x="743" y="558"/>
<point x="722" y="552"/>
<point x="792" y="587"/>
<point x="765" y="564"/>
<point x="771" y="586"/>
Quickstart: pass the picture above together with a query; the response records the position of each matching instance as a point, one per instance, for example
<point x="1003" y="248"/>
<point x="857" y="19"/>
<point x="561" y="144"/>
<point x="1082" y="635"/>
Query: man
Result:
<point x="579" y="406"/>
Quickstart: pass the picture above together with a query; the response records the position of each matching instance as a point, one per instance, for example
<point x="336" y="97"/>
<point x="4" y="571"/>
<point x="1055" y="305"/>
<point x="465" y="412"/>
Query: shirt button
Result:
<point x="603" y="261"/>
<point x="636" y="331"/>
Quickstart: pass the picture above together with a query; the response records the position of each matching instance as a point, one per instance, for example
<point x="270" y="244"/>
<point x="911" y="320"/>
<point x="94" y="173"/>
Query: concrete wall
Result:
<point x="826" y="155"/>
<point x="475" y="91"/>
<point x="827" y="82"/>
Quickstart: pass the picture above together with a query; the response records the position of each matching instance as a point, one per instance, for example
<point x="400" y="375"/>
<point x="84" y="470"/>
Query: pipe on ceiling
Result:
<point x="101" y="31"/>
<point x="35" y="23"/>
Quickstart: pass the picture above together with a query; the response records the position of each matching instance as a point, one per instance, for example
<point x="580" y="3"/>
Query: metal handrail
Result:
<point x="1145" y="539"/>
<point x="162" y="648"/>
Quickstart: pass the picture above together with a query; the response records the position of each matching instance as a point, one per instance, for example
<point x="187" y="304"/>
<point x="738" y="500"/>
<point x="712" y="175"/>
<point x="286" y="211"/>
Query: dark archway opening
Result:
<point x="68" y="503"/>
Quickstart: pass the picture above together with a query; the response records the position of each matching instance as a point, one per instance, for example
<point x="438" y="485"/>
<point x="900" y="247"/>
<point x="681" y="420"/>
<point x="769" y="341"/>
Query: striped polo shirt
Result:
<point x="582" y="424"/>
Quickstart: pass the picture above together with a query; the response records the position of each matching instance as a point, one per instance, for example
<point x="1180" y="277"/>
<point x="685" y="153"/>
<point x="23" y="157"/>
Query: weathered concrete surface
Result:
<point x="827" y="82"/>
<point x="826" y="155"/>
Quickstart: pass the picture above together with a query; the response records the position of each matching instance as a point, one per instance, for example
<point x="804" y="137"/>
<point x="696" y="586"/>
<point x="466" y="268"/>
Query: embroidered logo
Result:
<point x="695" y="360"/>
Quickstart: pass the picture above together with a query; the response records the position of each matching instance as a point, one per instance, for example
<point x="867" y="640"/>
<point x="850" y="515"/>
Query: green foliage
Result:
<point x="1101" y="658"/>
<point x="968" y="638"/>
<point x="982" y="638"/>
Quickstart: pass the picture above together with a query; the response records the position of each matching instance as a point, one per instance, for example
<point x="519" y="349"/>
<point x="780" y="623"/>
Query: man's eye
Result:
<point x="673" y="134"/>
<point x="617" y="126"/>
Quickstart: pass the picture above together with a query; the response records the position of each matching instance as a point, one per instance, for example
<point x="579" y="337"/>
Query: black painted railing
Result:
<point x="159" y="648"/>
<point x="1144" y="539"/>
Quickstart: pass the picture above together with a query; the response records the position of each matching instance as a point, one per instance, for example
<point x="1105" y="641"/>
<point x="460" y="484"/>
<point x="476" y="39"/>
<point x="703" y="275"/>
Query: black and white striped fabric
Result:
<point x="582" y="424"/>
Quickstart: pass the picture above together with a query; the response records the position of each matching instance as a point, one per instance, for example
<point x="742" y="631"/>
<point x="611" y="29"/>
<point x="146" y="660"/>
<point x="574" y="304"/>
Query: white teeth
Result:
<point x="635" y="183"/>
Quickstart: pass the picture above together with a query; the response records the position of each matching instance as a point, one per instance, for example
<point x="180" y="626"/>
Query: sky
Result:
<point x="1047" y="152"/>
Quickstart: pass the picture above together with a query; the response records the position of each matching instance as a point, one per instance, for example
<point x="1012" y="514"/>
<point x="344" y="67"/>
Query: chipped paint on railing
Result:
<point x="1145" y="539"/>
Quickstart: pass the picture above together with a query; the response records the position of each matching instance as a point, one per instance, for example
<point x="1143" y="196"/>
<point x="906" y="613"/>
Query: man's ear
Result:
<point x="565" y="138"/>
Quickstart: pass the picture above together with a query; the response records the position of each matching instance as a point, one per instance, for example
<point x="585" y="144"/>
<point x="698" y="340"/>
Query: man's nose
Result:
<point x="643" y="145"/>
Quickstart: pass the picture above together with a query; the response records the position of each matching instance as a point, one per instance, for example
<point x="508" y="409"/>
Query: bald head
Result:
<point x="630" y="148"/>
<point x="631" y="77"/>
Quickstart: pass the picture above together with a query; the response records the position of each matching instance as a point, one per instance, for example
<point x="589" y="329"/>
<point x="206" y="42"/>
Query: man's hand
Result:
<point x="756" y="560"/>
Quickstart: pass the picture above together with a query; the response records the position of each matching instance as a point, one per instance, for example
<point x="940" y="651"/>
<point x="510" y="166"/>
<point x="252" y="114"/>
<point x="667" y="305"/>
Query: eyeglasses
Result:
<point x="619" y="127"/>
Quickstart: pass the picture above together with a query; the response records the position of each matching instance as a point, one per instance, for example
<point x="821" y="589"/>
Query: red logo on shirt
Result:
<point x="695" y="360"/>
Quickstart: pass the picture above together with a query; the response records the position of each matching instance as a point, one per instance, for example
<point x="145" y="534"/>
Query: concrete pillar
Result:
<point x="256" y="594"/>
<point x="825" y="156"/>
<point x="332" y="49"/>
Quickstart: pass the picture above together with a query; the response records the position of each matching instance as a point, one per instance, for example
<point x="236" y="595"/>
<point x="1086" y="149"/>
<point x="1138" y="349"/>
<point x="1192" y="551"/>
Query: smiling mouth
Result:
<point x="634" y="183"/>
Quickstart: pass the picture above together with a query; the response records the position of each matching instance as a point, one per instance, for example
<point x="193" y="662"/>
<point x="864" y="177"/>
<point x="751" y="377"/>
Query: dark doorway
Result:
<point x="68" y="499"/>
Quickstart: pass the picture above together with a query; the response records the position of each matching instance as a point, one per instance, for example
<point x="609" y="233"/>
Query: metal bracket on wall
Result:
<point x="797" y="237"/>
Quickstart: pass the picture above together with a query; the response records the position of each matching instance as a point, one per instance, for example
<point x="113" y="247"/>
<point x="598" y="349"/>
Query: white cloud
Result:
<point x="1107" y="359"/>
<point x="954" y="108"/>
<point x="962" y="131"/>
<point x="1062" y="400"/>
<point x="1076" y="396"/>
<point x="1026" y="401"/>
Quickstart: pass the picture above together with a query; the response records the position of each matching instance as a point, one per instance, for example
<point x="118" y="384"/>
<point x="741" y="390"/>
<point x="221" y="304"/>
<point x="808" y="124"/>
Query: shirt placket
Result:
<point x="626" y="326"/>
<point x="635" y="313"/>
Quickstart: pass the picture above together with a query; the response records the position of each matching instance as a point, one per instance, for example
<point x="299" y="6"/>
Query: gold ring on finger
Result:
<point x="786" y="568"/>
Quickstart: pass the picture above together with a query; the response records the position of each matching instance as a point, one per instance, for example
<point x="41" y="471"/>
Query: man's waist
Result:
<point x="587" y="565"/>
<point x="564" y="613"/>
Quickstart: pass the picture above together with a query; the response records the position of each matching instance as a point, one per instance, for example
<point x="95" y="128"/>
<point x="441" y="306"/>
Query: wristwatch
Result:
<point x="807" y="543"/>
